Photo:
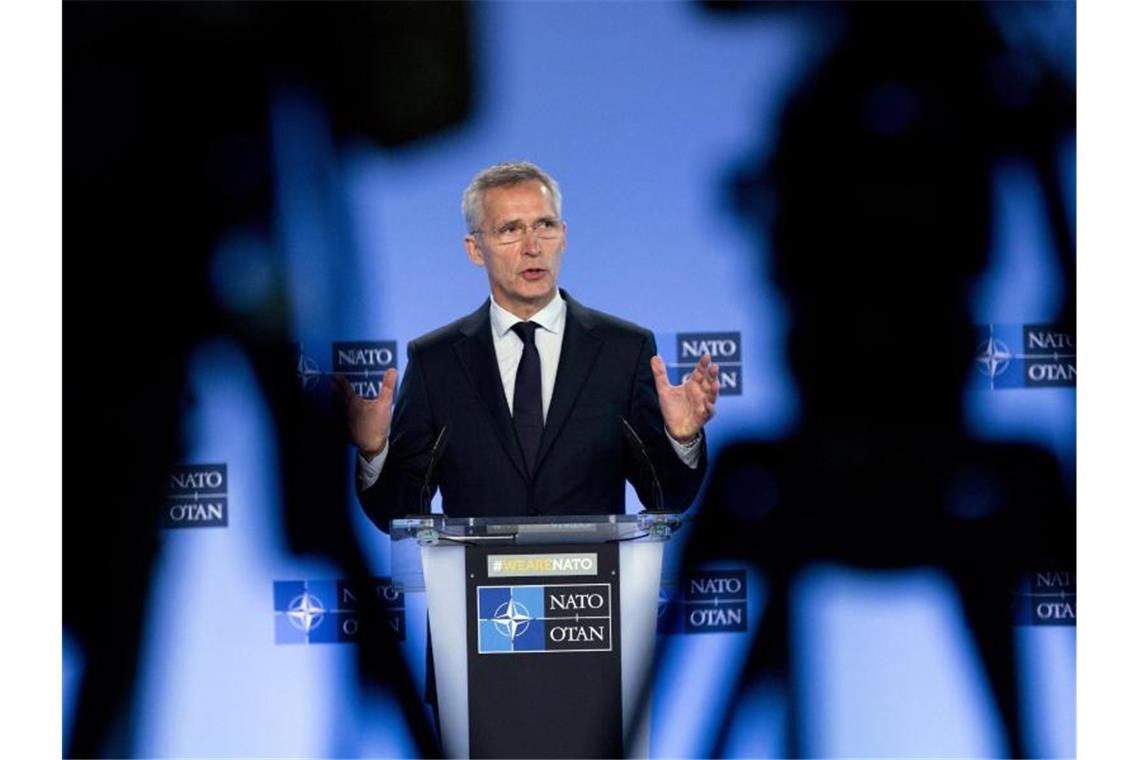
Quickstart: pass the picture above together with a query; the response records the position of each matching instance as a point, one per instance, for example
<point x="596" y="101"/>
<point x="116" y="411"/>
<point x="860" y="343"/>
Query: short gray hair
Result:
<point x="504" y="175"/>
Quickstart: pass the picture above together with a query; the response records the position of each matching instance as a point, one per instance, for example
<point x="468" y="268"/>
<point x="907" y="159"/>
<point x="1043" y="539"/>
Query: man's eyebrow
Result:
<point x="518" y="220"/>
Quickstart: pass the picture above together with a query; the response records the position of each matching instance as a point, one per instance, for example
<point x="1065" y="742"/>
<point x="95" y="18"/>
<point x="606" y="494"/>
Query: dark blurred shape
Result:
<point x="878" y="200"/>
<point x="166" y="149"/>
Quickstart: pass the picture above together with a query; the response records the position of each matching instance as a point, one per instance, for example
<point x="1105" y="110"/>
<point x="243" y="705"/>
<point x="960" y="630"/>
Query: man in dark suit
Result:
<point x="533" y="389"/>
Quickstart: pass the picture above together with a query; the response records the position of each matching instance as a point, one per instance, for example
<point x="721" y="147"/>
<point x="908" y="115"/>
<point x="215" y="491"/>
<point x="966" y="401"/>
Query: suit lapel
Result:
<point x="477" y="355"/>
<point x="580" y="347"/>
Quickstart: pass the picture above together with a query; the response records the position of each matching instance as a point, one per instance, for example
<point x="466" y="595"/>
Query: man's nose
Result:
<point x="532" y="244"/>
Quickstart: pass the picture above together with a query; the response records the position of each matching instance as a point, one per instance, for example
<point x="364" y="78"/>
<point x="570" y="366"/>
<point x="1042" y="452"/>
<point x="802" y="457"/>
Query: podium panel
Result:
<point x="543" y="629"/>
<point x="544" y="651"/>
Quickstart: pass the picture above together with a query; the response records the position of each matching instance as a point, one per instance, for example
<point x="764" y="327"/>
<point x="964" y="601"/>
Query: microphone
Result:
<point x="436" y="452"/>
<point x="642" y="453"/>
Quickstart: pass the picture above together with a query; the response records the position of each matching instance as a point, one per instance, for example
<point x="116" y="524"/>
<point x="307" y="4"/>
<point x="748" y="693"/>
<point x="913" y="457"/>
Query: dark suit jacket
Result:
<point x="452" y="379"/>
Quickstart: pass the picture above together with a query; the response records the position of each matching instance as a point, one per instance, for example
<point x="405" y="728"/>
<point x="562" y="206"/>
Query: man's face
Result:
<point x="523" y="274"/>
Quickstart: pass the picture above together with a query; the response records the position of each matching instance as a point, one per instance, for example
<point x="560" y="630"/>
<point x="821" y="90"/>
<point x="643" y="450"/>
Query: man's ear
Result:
<point x="474" y="252"/>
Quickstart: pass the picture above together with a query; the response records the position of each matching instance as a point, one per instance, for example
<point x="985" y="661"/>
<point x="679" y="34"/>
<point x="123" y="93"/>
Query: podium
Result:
<point x="542" y="628"/>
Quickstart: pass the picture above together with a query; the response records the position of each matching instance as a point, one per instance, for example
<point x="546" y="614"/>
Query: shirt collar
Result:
<point x="551" y="317"/>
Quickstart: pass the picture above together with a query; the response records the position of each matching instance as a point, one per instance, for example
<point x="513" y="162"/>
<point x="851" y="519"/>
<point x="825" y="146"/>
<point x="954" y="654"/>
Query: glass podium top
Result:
<point x="411" y="534"/>
<point x="560" y="529"/>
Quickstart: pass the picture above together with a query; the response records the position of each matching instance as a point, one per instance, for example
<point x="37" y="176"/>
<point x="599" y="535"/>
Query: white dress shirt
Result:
<point x="551" y="321"/>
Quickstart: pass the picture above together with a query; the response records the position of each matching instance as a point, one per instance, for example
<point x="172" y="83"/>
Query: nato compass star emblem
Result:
<point x="308" y="372"/>
<point x="511" y="619"/>
<point x="993" y="358"/>
<point x="306" y="612"/>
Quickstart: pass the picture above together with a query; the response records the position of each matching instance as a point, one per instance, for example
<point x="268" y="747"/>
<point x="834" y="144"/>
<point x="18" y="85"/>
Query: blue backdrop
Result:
<point x="642" y="112"/>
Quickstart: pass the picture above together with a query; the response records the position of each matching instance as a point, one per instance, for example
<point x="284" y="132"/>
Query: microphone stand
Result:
<point x="437" y="449"/>
<point x="642" y="453"/>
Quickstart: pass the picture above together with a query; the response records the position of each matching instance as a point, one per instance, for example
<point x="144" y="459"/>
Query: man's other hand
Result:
<point x="369" y="420"/>
<point x="688" y="406"/>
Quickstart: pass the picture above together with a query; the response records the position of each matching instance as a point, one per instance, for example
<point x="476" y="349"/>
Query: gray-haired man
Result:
<point x="532" y="388"/>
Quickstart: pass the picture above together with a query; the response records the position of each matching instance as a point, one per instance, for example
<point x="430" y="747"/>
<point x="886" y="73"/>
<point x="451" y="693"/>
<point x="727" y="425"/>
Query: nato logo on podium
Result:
<point x="541" y="618"/>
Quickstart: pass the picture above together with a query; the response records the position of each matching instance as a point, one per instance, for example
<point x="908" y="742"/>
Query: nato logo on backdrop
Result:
<point x="196" y="497"/>
<point x="707" y="601"/>
<point x="328" y="611"/>
<point x="1047" y="597"/>
<point x="363" y="363"/>
<point x="723" y="347"/>
<point x="1025" y="356"/>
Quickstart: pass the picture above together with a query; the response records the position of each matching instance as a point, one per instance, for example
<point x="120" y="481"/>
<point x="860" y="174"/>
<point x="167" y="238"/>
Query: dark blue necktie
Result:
<point x="528" y="394"/>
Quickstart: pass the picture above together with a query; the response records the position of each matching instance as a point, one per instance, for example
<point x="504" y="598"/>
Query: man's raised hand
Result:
<point x="369" y="420"/>
<point x="688" y="406"/>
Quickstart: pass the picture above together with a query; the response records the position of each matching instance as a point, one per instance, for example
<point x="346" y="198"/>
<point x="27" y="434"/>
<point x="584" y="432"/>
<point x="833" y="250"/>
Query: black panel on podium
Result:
<point x="542" y="628"/>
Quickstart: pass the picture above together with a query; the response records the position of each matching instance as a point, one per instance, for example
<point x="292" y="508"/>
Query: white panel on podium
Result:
<point x="640" y="585"/>
<point x="447" y="620"/>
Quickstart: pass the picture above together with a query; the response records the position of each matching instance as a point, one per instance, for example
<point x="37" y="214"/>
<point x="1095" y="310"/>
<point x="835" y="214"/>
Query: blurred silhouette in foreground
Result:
<point x="878" y="203"/>
<point x="167" y="146"/>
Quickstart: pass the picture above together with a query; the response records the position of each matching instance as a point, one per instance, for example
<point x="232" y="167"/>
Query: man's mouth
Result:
<point x="533" y="274"/>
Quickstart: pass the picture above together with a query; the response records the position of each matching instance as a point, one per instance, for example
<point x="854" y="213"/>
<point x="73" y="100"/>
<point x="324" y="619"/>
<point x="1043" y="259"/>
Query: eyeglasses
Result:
<point x="513" y="232"/>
